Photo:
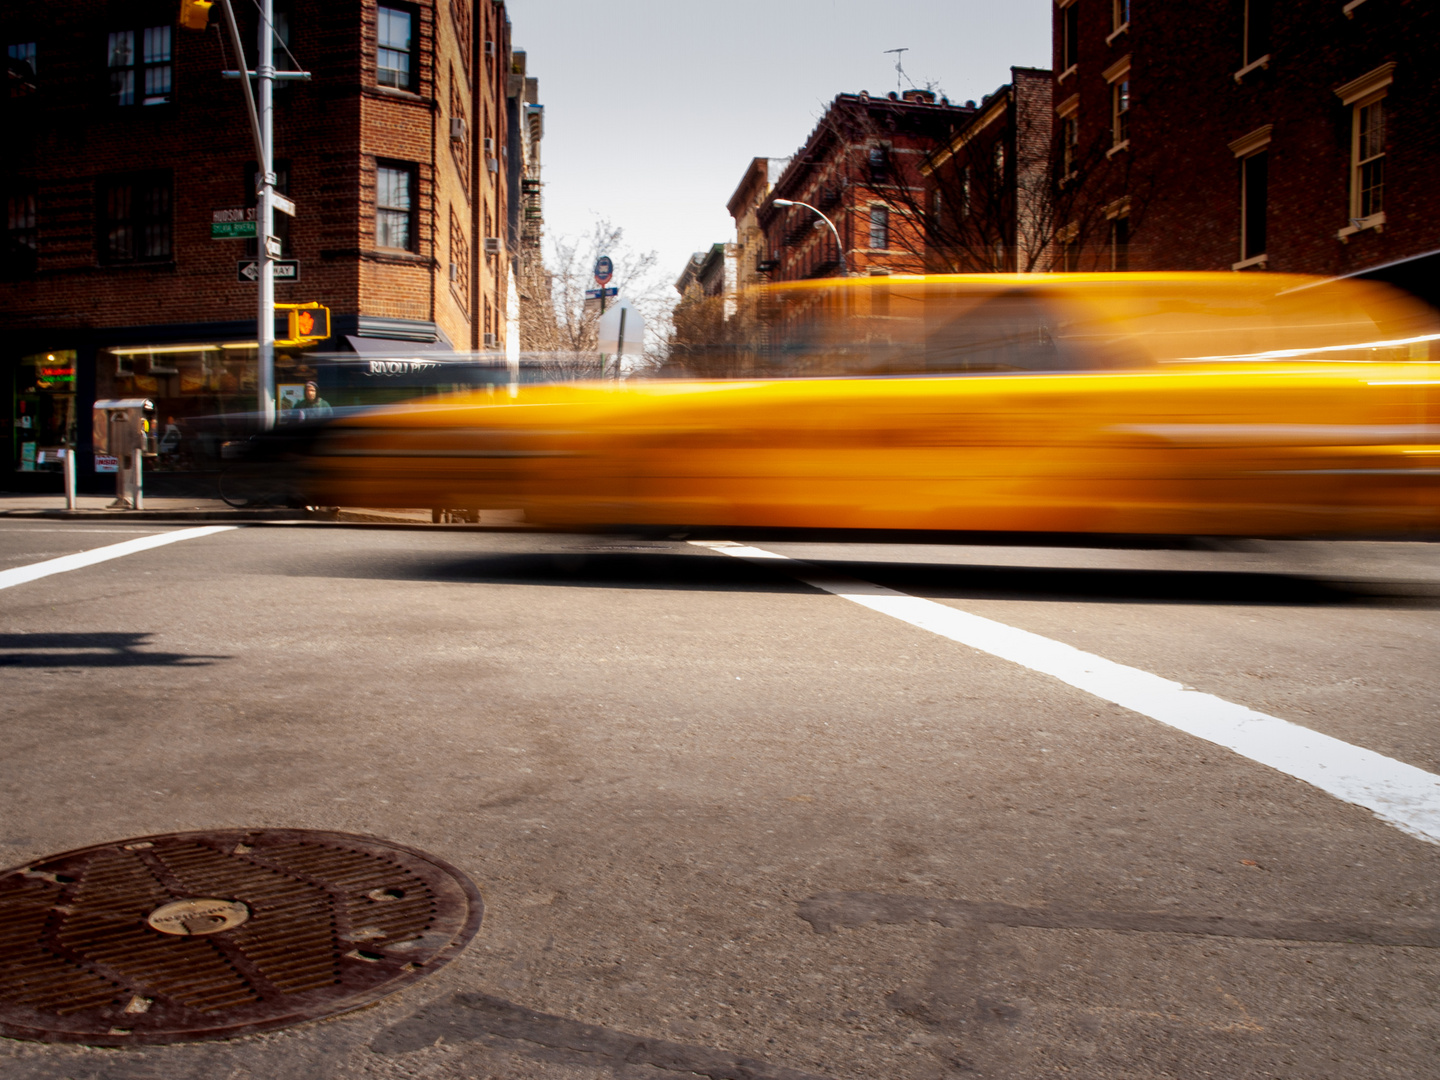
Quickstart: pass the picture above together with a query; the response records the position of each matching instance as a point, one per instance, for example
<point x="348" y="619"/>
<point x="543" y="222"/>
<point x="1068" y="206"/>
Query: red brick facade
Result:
<point x="860" y="167"/>
<point x="71" y="145"/>
<point x="1210" y="86"/>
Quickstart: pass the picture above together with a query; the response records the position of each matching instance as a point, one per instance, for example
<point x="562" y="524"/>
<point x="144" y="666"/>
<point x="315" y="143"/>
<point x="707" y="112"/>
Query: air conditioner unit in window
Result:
<point x="488" y="145"/>
<point x="454" y="271"/>
<point x="489" y="48"/>
<point x="492" y="164"/>
<point x="492" y="245"/>
<point x="489" y="341"/>
<point x="457" y="128"/>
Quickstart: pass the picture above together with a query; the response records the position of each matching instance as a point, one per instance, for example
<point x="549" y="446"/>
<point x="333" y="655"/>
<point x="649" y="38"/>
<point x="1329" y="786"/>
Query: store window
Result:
<point x="22" y="235"/>
<point x="204" y="395"/>
<point x="44" y="405"/>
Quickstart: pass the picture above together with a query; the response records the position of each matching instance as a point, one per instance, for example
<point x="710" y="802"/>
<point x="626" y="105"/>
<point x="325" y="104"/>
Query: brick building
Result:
<point x="861" y="168"/>
<point x="1285" y="135"/>
<point x="752" y="252"/>
<point x="124" y="141"/>
<point x="989" y="200"/>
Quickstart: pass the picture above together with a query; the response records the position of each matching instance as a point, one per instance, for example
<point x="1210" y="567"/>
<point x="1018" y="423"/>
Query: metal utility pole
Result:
<point x="265" y="216"/>
<point x="262" y="127"/>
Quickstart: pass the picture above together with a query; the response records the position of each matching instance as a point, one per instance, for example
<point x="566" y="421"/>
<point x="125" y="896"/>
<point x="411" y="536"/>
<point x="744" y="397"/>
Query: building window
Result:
<point x="142" y="74"/>
<point x="1069" y="37"/>
<point x="1254" y="203"/>
<point x="965" y="192"/>
<point x="20" y="68"/>
<point x="22" y="235"/>
<point x="395" y="48"/>
<point x="395" y="206"/>
<point x="999" y="166"/>
<point x="459" y="262"/>
<point x="1069" y="143"/>
<point x="1367" y="173"/>
<point x="1256" y="32"/>
<point x="1120" y="243"/>
<point x="1121" y="14"/>
<point x="1120" y="102"/>
<point x="879" y="161"/>
<point x="134" y="219"/>
<point x="460" y="16"/>
<point x="879" y="227"/>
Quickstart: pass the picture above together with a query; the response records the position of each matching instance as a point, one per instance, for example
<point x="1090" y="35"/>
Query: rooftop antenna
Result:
<point x="899" y="70"/>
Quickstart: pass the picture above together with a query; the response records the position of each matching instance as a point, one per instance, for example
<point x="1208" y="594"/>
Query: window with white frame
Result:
<point x="1120" y="107"/>
<point x="1120" y="243"/>
<point x="140" y="75"/>
<point x="1254" y="204"/>
<point x="1365" y="97"/>
<point x="1069" y="37"/>
<point x="395" y="206"/>
<point x="1120" y="14"/>
<point x="879" y="227"/>
<point x="1252" y="155"/>
<point x="1367" y="158"/>
<point x="1255" y="34"/>
<point x="395" y="47"/>
<point x="1118" y="76"/>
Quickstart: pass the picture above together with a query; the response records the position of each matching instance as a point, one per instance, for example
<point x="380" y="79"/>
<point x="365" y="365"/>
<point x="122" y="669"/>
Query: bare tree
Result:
<point x="559" y="326"/>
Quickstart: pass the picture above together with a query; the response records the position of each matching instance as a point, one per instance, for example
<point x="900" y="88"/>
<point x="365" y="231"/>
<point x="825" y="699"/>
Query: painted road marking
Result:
<point x="1400" y="794"/>
<point x="21" y="574"/>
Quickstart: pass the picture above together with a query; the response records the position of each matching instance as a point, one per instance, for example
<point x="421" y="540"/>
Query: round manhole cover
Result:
<point x="202" y="935"/>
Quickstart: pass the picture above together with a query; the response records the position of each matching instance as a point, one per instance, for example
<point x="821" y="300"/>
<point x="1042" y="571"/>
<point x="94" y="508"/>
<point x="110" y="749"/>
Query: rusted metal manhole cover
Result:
<point x="202" y="935"/>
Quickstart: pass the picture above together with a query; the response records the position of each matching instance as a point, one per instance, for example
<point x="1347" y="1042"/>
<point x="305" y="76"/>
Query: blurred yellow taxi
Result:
<point x="1178" y="404"/>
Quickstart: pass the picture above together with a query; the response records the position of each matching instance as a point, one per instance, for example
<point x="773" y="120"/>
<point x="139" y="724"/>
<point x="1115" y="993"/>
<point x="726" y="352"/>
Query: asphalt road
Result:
<point x="718" y="814"/>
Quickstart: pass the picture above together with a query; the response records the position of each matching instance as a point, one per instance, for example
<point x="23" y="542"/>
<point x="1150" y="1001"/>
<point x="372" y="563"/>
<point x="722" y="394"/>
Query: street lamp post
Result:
<point x="839" y="246"/>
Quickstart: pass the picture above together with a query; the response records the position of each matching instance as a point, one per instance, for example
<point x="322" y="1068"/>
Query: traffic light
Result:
<point x="304" y="322"/>
<point x="310" y="323"/>
<point x="195" y="14"/>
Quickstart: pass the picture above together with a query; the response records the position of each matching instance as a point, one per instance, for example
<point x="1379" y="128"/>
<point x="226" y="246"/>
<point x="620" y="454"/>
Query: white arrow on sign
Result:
<point x="250" y="271"/>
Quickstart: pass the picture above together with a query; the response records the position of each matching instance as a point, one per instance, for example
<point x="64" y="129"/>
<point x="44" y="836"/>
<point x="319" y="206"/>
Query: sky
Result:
<point x="654" y="108"/>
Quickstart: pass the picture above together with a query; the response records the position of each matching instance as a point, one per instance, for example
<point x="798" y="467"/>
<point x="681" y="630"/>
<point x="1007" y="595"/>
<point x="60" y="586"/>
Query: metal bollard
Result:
<point x="69" y="463"/>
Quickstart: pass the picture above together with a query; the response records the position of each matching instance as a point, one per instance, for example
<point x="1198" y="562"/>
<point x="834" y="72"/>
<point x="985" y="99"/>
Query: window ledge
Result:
<point x="1260" y="261"/>
<point x="1263" y="62"/>
<point x="1349" y="9"/>
<point x="1124" y="28"/>
<point x="1067" y="73"/>
<point x="1374" y="221"/>
<point x="1117" y="148"/>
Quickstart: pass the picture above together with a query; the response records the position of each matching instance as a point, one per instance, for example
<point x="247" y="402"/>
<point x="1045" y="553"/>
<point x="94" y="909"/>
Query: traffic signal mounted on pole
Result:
<point x="195" y="14"/>
<point x="307" y="323"/>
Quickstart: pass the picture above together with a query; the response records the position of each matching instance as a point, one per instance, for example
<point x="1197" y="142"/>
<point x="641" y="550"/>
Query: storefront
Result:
<point x="43" y="419"/>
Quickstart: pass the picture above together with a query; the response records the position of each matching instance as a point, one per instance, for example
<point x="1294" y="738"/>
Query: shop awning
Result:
<point x="394" y="347"/>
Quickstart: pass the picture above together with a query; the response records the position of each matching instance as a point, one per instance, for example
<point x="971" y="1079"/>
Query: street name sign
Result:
<point x="285" y="270"/>
<point x="284" y="205"/>
<point x="595" y="294"/>
<point x="234" y="224"/>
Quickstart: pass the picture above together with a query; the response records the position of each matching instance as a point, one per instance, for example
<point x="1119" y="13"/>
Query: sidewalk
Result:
<point x="161" y="508"/>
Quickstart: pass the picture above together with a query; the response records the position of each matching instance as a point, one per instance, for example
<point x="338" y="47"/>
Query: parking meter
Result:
<point x="124" y="433"/>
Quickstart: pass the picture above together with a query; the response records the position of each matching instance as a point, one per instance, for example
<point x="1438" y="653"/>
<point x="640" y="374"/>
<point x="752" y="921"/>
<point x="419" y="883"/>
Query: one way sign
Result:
<point x="285" y="270"/>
